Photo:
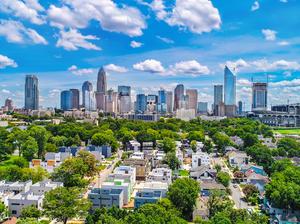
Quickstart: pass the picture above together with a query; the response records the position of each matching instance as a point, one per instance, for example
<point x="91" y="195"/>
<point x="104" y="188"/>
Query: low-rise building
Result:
<point x="142" y="167"/>
<point x="42" y="187"/>
<point x="134" y="145"/>
<point x="160" y="175"/>
<point x="203" y="173"/>
<point x="199" y="159"/>
<point x="179" y="156"/>
<point x="15" y="187"/>
<point x="238" y="159"/>
<point x="106" y="198"/>
<point x="149" y="192"/>
<point x="119" y="184"/>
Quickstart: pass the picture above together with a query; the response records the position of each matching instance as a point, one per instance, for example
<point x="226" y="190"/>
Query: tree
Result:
<point x="196" y="136"/>
<point x="183" y="193"/>
<point x="289" y="146"/>
<point x="4" y="152"/>
<point x="172" y="160"/>
<point x="50" y="147"/>
<point x="29" y="149"/>
<point x="105" y="138"/>
<point x="41" y="136"/>
<point x="219" y="202"/>
<point x="63" y="204"/>
<point x="220" y="218"/>
<point x="221" y="140"/>
<point x="31" y="212"/>
<point x="16" y="139"/>
<point x="89" y="160"/>
<point x="223" y="178"/>
<point x="124" y="135"/>
<point x="71" y="172"/>
<point x="168" y="145"/>
<point x="193" y="145"/>
<point x="251" y="193"/>
<point x="250" y="139"/>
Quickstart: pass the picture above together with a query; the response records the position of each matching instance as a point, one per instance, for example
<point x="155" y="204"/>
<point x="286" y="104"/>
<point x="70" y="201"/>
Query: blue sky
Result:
<point x="150" y="44"/>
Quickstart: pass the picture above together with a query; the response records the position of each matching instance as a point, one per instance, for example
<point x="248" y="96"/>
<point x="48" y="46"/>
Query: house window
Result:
<point x="14" y="212"/>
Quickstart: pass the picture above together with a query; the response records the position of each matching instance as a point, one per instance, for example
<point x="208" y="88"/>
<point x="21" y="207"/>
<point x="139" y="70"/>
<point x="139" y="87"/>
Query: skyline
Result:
<point x="170" y="54"/>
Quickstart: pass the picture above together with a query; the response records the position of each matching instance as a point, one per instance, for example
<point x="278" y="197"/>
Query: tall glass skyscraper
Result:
<point x="124" y="90"/>
<point x="229" y="87"/>
<point x="66" y="100"/>
<point x="86" y="87"/>
<point x="101" y="81"/>
<point x="124" y="93"/>
<point x="259" y="96"/>
<point x="141" y="103"/>
<point x="178" y="96"/>
<point x="31" y="92"/>
<point x="75" y="98"/>
<point x="162" y="101"/>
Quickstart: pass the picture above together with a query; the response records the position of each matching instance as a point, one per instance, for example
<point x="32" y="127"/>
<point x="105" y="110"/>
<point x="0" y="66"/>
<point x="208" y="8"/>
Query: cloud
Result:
<point x="26" y="9"/>
<point x="284" y="1"/>
<point x="255" y="6"/>
<point x="5" y="91"/>
<point x="198" y="16"/>
<point x="16" y="32"/>
<point x="115" y="68"/>
<point x="189" y="67"/>
<point x="165" y="39"/>
<point x="72" y="40"/>
<point x="270" y="35"/>
<point x="283" y="43"/>
<point x="244" y="82"/>
<point x="149" y="65"/>
<point x="7" y="62"/>
<point x="286" y="83"/>
<point x="135" y="44"/>
<point x="84" y="71"/>
<point x="238" y="64"/>
<point x="111" y="17"/>
<point x="157" y="7"/>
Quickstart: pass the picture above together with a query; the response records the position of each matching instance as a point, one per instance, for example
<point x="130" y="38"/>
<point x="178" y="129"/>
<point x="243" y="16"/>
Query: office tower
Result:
<point x="162" y="101"/>
<point x="202" y="107"/>
<point x="100" y="101"/>
<point x="151" y="103"/>
<point x="66" y="100"/>
<point x="178" y="96"/>
<point x="259" y="96"/>
<point x="169" y="101"/>
<point x="192" y="99"/>
<point x="101" y="81"/>
<point x="141" y="103"/>
<point x="240" y="107"/>
<point x="9" y="105"/>
<point x="75" y="98"/>
<point x="86" y="86"/>
<point x="124" y="93"/>
<point x="31" y="92"/>
<point x="111" y="102"/>
<point x="229" y="92"/>
<point x="218" y="99"/>
<point x="90" y="100"/>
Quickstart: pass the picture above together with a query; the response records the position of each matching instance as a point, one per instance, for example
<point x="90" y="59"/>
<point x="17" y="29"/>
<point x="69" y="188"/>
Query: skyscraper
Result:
<point x="124" y="90"/>
<point x="31" y="92"/>
<point x="259" y="96"/>
<point x="141" y="103"/>
<point x="101" y="81"/>
<point x="9" y="105"/>
<point x="169" y="101"/>
<point x="192" y="99"/>
<point x="202" y="107"/>
<point x="151" y="103"/>
<point x="75" y="98"/>
<point x="162" y="101"/>
<point x="111" y="102"/>
<point x="178" y="96"/>
<point x="229" y="92"/>
<point x="86" y="86"/>
<point x="240" y="107"/>
<point x="218" y="99"/>
<point x="124" y="93"/>
<point x="66" y="100"/>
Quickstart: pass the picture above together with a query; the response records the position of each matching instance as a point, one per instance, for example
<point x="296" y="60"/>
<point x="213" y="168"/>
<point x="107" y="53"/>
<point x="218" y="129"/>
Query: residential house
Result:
<point x="134" y="146"/>
<point x="238" y="159"/>
<point x="142" y="167"/>
<point x="203" y="173"/>
<point x="160" y="175"/>
<point x="257" y="179"/>
<point x="209" y="185"/>
<point x="120" y="184"/>
<point x="237" y="141"/>
<point x="199" y="159"/>
<point x="106" y="198"/>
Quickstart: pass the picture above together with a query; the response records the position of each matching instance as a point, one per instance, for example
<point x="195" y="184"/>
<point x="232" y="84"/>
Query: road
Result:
<point x="236" y="192"/>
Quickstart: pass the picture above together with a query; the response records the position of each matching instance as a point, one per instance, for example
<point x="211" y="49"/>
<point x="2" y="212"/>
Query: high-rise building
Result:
<point x="9" y="105"/>
<point x="218" y="99"/>
<point x="151" y="103"/>
<point x="87" y="86"/>
<point x="111" y="102"/>
<point x="259" y="96"/>
<point x="162" y="101"/>
<point x="202" y="108"/>
<point x="90" y="100"/>
<point x="141" y="103"/>
<point x="75" y="98"/>
<point x="229" y="92"/>
<point x="101" y="81"/>
<point x="124" y="90"/>
<point x="66" y="100"/>
<point x="100" y="101"/>
<point x="178" y="96"/>
<point x="240" y="107"/>
<point x="169" y="101"/>
<point x="31" y="92"/>
<point x="124" y="93"/>
<point x="192" y="99"/>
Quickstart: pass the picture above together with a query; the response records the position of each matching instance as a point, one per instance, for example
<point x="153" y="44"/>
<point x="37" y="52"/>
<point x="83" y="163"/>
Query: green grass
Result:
<point x="184" y="173"/>
<point x="288" y="131"/>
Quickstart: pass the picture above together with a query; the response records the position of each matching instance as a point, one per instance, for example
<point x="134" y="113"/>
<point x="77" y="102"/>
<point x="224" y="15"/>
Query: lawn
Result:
<point x="184" y="173"/>
<point x="288" y="131"/>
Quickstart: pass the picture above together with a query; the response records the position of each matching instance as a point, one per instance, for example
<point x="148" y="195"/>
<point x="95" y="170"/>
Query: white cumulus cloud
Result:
<point x="269" y="35"/>
<point x="16" y="32"/>
<point x="165" y="39"/>
<point x="24" y="9"/>
<point x="135" y="44"/>
<point x="72" y="40"/>
<point x="255" y="6"/>
<point x="7" y="62"/>
<point x="115" y="68"/>
<point x="83" y="71"/>
<point x="150" y="65"/>
<point x="192" y="67"/>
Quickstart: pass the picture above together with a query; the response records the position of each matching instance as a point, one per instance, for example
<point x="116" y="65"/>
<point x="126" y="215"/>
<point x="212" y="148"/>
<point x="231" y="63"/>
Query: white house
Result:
<point x="160" y="174"/>
<point x="200" y="159"/>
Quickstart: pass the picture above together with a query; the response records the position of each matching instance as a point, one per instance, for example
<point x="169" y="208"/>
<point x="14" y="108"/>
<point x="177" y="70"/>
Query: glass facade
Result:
<point x="31" y="93"/>
<point x="141" y="103"/>
<point x="229" y="87"/>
